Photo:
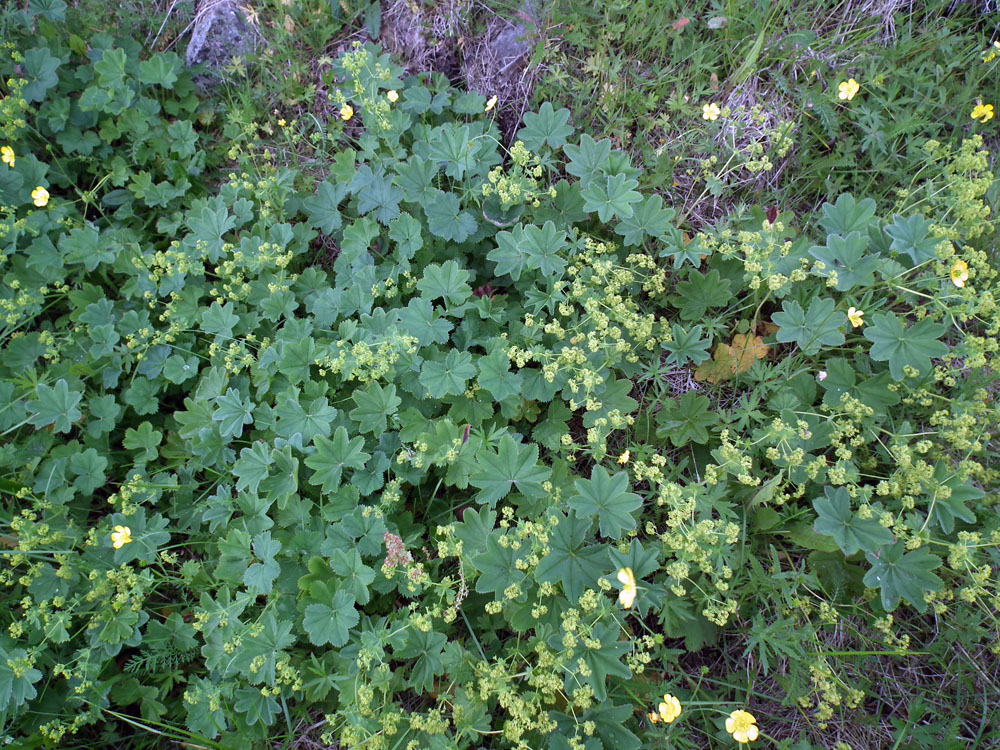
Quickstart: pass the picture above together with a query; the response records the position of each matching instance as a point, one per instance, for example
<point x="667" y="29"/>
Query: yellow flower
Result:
<point x="848" y="89"/>
<point x="392" y="96"/>
<point x="653" y="717"/>
<point x="281" y="122"/>
<point x="959" y="273"/>
<point x="626" y="596"/>
<point x="982" y="112"/>
<point x="742" y="726"/>
<point x="7" y="155"/>
<point x="121" y="536"/>
<point x="40" y="196"/>
<point x="711" y="111"/>
<point x="854" y="315"/>
<point x="346" y="112"/>
<point x="624" y="457"/>
<point x="490" y="104"/>
<point x="670" y="709"/>
<point x="991" y="54"/>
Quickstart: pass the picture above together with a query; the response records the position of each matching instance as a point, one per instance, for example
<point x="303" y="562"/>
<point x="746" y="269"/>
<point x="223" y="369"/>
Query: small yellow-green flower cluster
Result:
<point x="519" y="183"/>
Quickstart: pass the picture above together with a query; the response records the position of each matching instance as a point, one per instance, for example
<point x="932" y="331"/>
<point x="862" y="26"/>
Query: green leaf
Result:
<point x="219" y="319"/>
<point x="421" y="319"/>
<point x="143" y="438"/>
<point x="512" y="466"/>
<point x="834" y="519"/>
<point x="649" y="219"/>
<point x="605" y="660"/>
<point x="911" y="236"/>
<point x="56" y="406"/>
<point x="449" y="377"/>
<point x="375" y="405"/>
<point x="160" y="70"/>
<point x="611" y="198"/>
<point x="357" y="576"/>
<point x="89" y="466"/>
<point x="904" y="347"/>
<point x="529" y="247"/>
<point x="568" y="560"/>
<point x="446" y="219"/>
<point x="426" y="648"/>
<point x="259" y="577"/>
<point x="495" y="376"/>
<point x="846" y="256"/>
<point x="404" y="231"/>
<point x="497" y="567"/>
<point x="323" y="208"/>
<point x="589" y="159"/>
<point x="543" y="246"/>
<point x="333" y="456"/>
<point x="445" y="281"/>
<point x="252" y="467"/>
<point x="452" y="146"/>
<point x="846" y="215"/>
<point x="812" y="330"/>
<point x="54" y="10"/>
<point x="232" y="413"/>
<point x="259" y="708"/>
<point x="945" y="510"/>
<point x="380" y="196"/>
<point x="686" y="419"/>
<point x="687" y="346"/>
<point x="700" y="292"/>
<point x="310" y="421"/>
<point x="608" y="498"/>
<point x="903" y="576"/>
<point x="549" y="126"/>
<point x="40" y="71"/>
<point x="330" y="619"/>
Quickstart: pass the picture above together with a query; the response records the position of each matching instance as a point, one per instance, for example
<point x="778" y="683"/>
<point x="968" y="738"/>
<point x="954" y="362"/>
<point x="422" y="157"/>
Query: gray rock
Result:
<point x="220" y="33"/>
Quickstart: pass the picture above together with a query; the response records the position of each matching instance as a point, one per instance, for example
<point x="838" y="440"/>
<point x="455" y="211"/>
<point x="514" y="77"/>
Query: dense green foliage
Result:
<point x="425" y="441"/>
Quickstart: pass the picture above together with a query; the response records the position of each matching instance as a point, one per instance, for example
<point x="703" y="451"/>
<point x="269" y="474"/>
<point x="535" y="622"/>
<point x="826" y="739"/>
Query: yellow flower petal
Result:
<point x="855" y="316"/>
<point x="711" y="111"/>
<point x="959" y="273"/>
<point x="626" y="596"/>
<point x="670" y="709"/>
<point x="741" y="724"/>
<point x="392" y="96"/>
<point x="121" y="536"/>
<point x="7" y="156"/>
<point x="624" y="457"/>
<point x="346" y="112"/>
<point x="848" y="89"/>
<point x="490" y="104"/>
<point x="40" y="196"/>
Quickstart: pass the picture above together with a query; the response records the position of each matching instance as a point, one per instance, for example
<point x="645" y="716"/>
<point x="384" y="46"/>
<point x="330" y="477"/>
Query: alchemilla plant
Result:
<point x="437" y="443"/>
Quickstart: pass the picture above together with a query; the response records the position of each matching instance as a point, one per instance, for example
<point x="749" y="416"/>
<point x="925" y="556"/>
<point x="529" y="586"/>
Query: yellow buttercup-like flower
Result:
<point x="743" y="726"/>
<point x="848" y="89"/>
<point x="121" y="536"/>
<point x="392" y="96"/>
<point x="626" y="597"/>
<point x="982" y="112"/>
<point x="855" y="316"/>
<point x="670" y="709"/>
<point x="7" y="155"/>
<point x="40" y="196"/>
<point x="959" y="273"/>
<point x="346" y="112"/>
<point x="624" y="457"/>
<point x="490" y="104"/>
<point x="711" y="111"/>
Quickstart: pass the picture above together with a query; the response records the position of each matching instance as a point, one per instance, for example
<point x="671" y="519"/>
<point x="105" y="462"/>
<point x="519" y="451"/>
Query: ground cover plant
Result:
<point x="338" y="412"/>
